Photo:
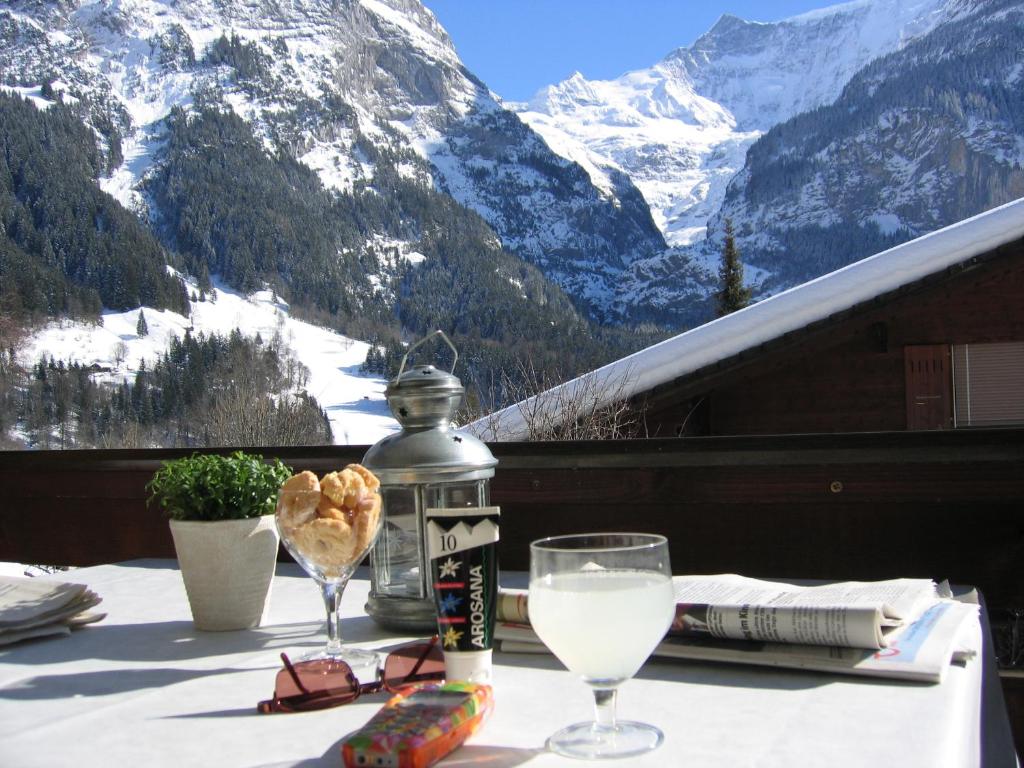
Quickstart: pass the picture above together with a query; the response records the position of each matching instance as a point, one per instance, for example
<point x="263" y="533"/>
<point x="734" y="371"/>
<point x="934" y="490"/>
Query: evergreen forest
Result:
<point x="66" y="247"/>
<point x="204" y="391"/>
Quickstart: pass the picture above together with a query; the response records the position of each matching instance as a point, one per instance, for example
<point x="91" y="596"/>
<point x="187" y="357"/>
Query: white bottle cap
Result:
<point x="468" y="666"/>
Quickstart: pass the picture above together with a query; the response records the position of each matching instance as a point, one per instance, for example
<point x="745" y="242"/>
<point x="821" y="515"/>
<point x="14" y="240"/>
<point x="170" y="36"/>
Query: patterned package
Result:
<point x="419" y="726"/>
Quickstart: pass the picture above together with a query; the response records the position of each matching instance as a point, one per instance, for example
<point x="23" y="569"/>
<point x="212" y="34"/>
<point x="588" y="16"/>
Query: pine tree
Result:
<point x="205" y="285"/>
<point x="141" y="329"/>
<point x="732" y="294"/>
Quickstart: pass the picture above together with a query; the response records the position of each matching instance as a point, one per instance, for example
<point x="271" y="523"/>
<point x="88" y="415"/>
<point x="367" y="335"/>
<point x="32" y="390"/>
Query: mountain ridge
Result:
<point x="733" y="83"/>
<point x="919" y="139"/>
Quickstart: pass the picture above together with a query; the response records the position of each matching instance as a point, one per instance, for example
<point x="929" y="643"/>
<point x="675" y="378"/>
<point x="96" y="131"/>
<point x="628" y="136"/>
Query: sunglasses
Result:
<point x="323" y="683"/>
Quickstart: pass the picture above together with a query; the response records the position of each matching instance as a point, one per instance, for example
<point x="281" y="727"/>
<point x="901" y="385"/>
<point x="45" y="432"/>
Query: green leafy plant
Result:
<point x="209" y="487"/>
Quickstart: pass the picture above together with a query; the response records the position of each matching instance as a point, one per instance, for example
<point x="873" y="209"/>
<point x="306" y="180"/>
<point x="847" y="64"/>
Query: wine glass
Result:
<point x="329" y="543"/>
<point x="601" y="602"/>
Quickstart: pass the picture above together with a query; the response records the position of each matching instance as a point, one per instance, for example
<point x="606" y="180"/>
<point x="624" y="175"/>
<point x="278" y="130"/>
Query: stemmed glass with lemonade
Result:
<point x="602" y="602"/>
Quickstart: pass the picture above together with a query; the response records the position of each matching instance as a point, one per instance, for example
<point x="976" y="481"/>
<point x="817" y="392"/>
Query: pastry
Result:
<point x="330" y="522"/>
<point x="298" y="500"/>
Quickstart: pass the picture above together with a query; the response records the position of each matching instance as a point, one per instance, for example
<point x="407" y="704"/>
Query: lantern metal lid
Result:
<point x="427" y="464"/>
<point x="421" y="457"/>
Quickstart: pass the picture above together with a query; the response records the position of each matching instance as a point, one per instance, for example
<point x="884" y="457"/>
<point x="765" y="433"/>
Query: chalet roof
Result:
<point x="771" y="318"/>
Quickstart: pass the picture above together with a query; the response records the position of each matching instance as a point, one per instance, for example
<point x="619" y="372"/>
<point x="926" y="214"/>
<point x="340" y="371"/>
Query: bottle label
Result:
<point x="462" y="546"/>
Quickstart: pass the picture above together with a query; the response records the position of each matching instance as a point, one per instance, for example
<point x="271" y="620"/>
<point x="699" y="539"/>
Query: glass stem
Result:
<point x="332" y="602"/>
<point x="604" y="709"/>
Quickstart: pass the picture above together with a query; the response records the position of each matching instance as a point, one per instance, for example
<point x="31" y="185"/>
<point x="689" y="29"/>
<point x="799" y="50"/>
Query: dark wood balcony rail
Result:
<point x="851" y="506"/>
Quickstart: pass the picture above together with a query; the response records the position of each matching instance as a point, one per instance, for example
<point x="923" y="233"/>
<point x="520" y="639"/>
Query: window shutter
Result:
<point x="988" y="382"/>
<point x="928" y="386"/>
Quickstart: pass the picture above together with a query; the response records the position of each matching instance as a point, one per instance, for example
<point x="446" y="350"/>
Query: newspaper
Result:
<point x="852" y="614"/>
<point x="918" y="632"/>
<point x="32" y="607"/>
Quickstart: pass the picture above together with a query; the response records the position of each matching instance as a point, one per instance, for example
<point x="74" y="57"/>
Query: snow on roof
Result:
<point x="769" y="319"/>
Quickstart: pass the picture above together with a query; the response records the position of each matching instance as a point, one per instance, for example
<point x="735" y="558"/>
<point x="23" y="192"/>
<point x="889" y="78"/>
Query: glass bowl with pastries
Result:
<point x="328" y="525"/>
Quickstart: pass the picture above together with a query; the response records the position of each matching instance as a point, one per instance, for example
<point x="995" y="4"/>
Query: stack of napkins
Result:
<point x="38" y="607"/>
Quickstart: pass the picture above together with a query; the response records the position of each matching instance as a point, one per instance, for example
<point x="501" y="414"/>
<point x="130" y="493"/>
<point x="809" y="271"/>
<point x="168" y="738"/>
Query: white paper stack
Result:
<point x="32" y="607"/>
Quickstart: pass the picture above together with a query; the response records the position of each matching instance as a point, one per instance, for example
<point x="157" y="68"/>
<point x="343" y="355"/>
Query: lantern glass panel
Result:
<point x="472" y="493"/>
<point x="397" y="557"/>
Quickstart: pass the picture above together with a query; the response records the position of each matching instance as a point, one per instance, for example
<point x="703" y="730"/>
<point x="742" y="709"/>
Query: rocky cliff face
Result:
<point x="918" y="139"/>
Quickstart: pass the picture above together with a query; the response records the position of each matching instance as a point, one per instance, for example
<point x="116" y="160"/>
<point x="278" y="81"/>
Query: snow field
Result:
<point x="354" y="402"/>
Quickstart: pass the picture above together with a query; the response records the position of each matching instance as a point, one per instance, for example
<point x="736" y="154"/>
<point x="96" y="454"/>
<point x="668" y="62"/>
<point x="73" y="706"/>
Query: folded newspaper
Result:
<point x="901" y="628"/>
<point x="31" y="607"/>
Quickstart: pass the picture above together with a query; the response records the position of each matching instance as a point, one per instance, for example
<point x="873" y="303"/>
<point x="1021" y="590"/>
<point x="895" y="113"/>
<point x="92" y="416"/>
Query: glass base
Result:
<point x="589" y="741"/>
<point x="364" y="664"/>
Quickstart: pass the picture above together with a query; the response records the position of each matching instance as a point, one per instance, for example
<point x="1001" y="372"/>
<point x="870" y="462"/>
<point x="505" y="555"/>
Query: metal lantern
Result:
<point x="426" y="465"/>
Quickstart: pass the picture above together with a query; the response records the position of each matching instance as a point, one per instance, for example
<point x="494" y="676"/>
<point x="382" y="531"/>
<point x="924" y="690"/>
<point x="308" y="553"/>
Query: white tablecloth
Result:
<point x="143" y="688"/>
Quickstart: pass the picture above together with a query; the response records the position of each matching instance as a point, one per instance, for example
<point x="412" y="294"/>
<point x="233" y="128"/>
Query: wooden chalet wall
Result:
<point x="847" y="374"/>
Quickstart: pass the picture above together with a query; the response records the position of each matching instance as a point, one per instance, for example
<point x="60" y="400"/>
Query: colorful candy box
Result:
<point x="419" y="726"/>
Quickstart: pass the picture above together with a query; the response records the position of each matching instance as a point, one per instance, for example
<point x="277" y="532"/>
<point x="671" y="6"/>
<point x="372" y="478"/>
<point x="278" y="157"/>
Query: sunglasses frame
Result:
<point x="308" y="700"/>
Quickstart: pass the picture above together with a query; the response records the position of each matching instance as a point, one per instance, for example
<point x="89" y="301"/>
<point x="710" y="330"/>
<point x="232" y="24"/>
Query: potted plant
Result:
<point x="221" y="518"/>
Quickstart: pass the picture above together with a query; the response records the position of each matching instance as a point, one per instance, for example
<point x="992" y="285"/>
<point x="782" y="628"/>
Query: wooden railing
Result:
<point x="937" y="504"/>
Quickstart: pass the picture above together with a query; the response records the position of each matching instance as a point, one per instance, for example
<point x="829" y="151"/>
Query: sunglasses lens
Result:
<point x="316" y="677"/>
<point x="412" y="664"/>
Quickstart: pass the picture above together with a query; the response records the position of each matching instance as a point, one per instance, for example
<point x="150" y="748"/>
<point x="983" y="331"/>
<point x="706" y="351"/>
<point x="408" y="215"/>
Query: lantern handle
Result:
<point x="422" y="341"/>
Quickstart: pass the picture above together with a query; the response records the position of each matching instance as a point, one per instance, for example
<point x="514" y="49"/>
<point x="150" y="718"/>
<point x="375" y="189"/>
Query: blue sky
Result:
<point x="518" y="46"/>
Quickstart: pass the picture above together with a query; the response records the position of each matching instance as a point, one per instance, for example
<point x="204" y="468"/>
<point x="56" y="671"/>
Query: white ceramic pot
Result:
<point x="228" y="568"/>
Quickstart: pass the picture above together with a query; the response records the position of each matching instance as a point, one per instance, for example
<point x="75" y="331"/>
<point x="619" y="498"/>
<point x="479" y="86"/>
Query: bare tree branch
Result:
<point x="590" y="409"/>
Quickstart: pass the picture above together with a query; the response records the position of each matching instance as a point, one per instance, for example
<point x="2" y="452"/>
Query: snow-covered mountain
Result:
<point x="331" y="83"/>
<point x="766" y="73"/>
<point x="679" y="148"/>
<point x="334" y="152"/>
<point x="681" y="129"/>
<point x="824" y="138"/>
<point x="921" y="138"/>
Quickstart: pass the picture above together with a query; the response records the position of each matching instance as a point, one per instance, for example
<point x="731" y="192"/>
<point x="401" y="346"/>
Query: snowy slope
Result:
<point x="680" y="129"/>
<point x="354" y="402"/>
<point x="679" y="148"/>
